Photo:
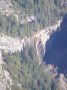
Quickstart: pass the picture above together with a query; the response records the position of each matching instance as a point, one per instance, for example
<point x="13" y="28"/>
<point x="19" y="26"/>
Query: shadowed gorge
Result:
<point x="56" y="48"/>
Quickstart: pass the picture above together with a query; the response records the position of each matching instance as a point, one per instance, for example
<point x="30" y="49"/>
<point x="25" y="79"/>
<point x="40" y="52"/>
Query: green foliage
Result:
<point x="46" y="12"/>
<point x="24" y="69"/>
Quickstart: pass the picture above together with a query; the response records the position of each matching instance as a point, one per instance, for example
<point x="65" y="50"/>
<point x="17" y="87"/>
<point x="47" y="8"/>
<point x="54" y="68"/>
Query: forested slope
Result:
<point x="23" y="18"/>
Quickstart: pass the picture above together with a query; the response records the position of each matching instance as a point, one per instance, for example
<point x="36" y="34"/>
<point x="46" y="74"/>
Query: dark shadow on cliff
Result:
<point x="56" y="48"/>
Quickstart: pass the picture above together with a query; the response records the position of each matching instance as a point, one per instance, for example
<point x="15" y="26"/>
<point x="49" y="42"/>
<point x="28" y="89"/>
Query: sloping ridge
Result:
<point x="12" y="45"/>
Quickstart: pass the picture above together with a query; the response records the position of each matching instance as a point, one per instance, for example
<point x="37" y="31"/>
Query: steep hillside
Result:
<point x="22" y="64"/>
<point x="25" y="17"/>
<point x="26" y="26"/>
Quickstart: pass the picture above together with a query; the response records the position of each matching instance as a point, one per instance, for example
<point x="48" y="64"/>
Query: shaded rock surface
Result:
<point x="56" y="48"/>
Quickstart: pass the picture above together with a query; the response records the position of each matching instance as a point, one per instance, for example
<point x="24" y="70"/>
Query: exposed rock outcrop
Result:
<point x="7" y="8"/>
<point x="62" y="82"/>
<point x="4" y="76"/>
